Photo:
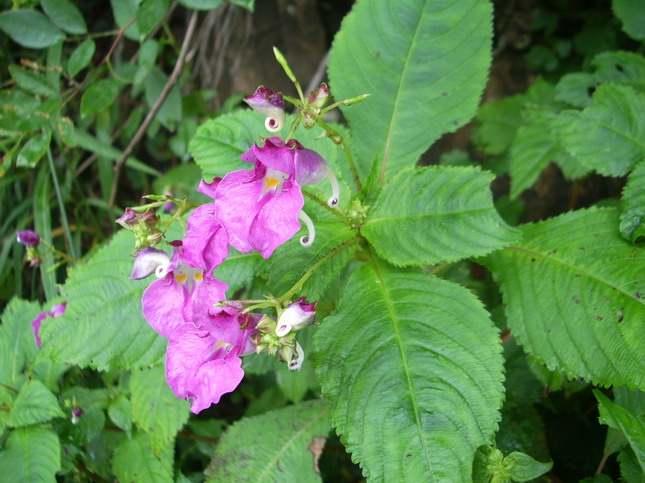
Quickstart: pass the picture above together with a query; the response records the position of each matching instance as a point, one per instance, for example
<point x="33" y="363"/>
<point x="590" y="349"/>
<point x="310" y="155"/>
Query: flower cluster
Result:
<point x="257" y="209"/>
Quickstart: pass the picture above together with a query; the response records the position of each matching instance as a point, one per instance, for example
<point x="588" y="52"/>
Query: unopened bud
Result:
<point x="319" y="97"/>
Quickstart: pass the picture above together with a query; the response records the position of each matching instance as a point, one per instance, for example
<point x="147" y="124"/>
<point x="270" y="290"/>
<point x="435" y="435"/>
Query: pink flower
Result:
<point x="203" y="363"/>
<point x="56" y="311"/>
<point x="183" y="294"/>
<point x="296" y="316"/>
<point x="28" y="238"/>
<point x="270" y="104"/>
<point x="259" y="209"/>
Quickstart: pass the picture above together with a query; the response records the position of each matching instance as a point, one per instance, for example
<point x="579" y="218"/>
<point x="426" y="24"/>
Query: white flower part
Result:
<point x="275" y="122"/>
<point x="283" y="328"/>
<point x="296" y="363"/>
<point x="187" y="274"/>
<point x="148" y="261"/>
<point x="307" y="240"/>
<point x="335" y="189"/>
<point x="293" y="318"/>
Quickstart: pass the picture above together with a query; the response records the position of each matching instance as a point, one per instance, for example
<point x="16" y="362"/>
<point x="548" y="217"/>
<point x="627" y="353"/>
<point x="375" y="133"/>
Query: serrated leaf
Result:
<point x="135" y="462"/>
<point x="531" y="151"/>
<point x="34" y="404"/>
<point x="522" y="467"/>
<point x="608" y="135"/>
<point x="238" y="270"/>
<point x="150" y="13"/>
<point x="104" y="308"/>
<point x="99" y="96"/>
<point x="32" y="81"/>
<point x="574" y="88"/>
<point x="30" y="454"/>
<point x="66" y="15"/>
<point x="633" y="204"/>
<point x="632" y="14"/>
<point x="34" y="149"/>
<point x="276" y="446"/>
<point x="630" y="470"/>
<point x="18" y="335"/>
<point x="434" y="214"/>
<point x="573" y="303"/>
<point x="91" y="422"/>
<point x="631" y="425"/>
<point x="330" y="252"/>
<point x="412" y="366"/>
<point x="81" y="57"/>
<point x="30" y="28"/>
<point x="155" y="409"/>
<point x="201" y="4"/>
<point x="120" y="412"/>
<point x="497" y="123"/>
<point x="424" y="64"/>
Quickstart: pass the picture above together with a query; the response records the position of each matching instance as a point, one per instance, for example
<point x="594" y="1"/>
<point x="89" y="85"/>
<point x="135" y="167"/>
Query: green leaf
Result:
<point x="81" y="57"/>
<point x="170" y="111"/>
<point x="434" y="214"/>
<point x="155" y="409"/>
<point x="632" y="14"/>
<point x="18" y="335"/>
<point x="565" y="292"/>
<point x="633" y="204"/>
<point x="521" y="467"/>
<point x="34" y="404"/>
<point x="201" y="4"/>
<point x="135" y="462"/>
<point x="424" y="64"/>
<point x="330" y="252"/>
<point x="124" y="11"/>
<point x="150" y="13"/>
<point x="91" y="422"/>
<point x="608" y="136"/>
<point x="629" y="468"/>
<point x="32" y="81"/>
<point x="497" y="123"/>
<point x="246" y="4"/>
<point x="99" y="96"/>
<point x="276" y="446"/>
<point x="574" y="88"/>
<point x="30" y="28"/>
<point x="531" y="151"/>
<point x="30" y="454"/>
<point x="34" y="149"/>
<point x="66" y="131"/>
<point x="412" y="366"/>
<point x="66" y="15"/>
<point x="120" y="412"/>
<point x="238" y="270"/>
<point x="631" y="425"/>
<point x="104" y="307"/>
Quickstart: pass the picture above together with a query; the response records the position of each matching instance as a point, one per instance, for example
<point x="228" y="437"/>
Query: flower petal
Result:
<point x="206" y="242"/>
<point x="163" y="303"/>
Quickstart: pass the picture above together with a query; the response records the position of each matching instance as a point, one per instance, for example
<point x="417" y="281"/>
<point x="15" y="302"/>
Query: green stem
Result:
<point x="63" y="213"/>
<point x="339" y="213"/>
<point x="335" y="251"/>
<point x="294" y="125"/>
<point x="348" y="153"/>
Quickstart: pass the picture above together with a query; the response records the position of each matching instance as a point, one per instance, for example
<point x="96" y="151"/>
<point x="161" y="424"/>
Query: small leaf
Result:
<point x="66" y="131"/>
<point x="631" y="425"/>
<point x="435" y="214"/>
<point x="124" y="11"/>
<point x="201" y="4"/>
<point x="588" y="296"/>
<point x="32" y="81"/>
<point x="34" y="149"/>
<point x="632" y="213"/>
<point x="521" y="467"/>
<point x="170" y="111"/>
<point x="283" y="446"/>
<point x="120" y="412"/>
<point x="150" y="13"/>
<point x="238" y="270"/>
<point x="247" y="4"/>
<point x="155" y="409"/>
<point x="608" y="135"/>
<point x="135" y="462"/>
<point x="30" y="454"/>
<point x="99" y="96"/>
<point x="18" y="335"/>
<point x="34" y="404"/>
<point x="412" y="367"/>
<point x="30" y="28"/>
<point x="81" y="57"/>
<point x="66" y="15"/>
<point x="497" y="123"/>
<point x="632" y="14"/>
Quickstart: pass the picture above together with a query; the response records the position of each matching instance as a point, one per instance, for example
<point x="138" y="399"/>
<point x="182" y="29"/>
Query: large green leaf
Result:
<point x="575" y="297"/>
<point x="435" y="214"/>
<point x="30" y="454"/>
<point x="30" y="28"/>
<point x="609" y="135"/>
<point x="412" y="366"/>
<point x="630" y="424"/>
<point x="276" y="446"/>
<point x="135" y="462"/>
<point x="632" y="14"/>
<point x="425" y="64"/>
<point x="103" y="326"/>
<point x="155" y="409"/>
<point x="633" y="204"/>
<point x="18" y="335"/>
<point x="34" y="404"/>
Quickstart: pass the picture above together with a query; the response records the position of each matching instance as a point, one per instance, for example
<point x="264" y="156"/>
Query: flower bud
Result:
<point x="148" y="261"/>
<point x="297" y="315"/>
<point x="270" y="104"/>
<point x="28" y="238"/>
<point x="319" y="97"/>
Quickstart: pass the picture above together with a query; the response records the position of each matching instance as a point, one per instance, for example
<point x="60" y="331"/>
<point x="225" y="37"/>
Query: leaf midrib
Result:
<point x="425" y="215"/>
<point x="406" y="367"/>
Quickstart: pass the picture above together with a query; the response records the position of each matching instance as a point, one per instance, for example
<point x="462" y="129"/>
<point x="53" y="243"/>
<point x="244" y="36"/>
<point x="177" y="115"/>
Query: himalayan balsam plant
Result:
<point x="325" y="252"/>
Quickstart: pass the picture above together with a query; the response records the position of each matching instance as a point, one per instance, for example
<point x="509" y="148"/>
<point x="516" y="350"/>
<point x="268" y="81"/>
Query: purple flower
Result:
<point x="259" y="209"/>
<point x="28" y="238"/>
<point x="296" y="316"/>
<point x="56" y="311"/>
<point x="203" y="363"/>
<point x="183" y="294"/>
<point x="270" y="104"/>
